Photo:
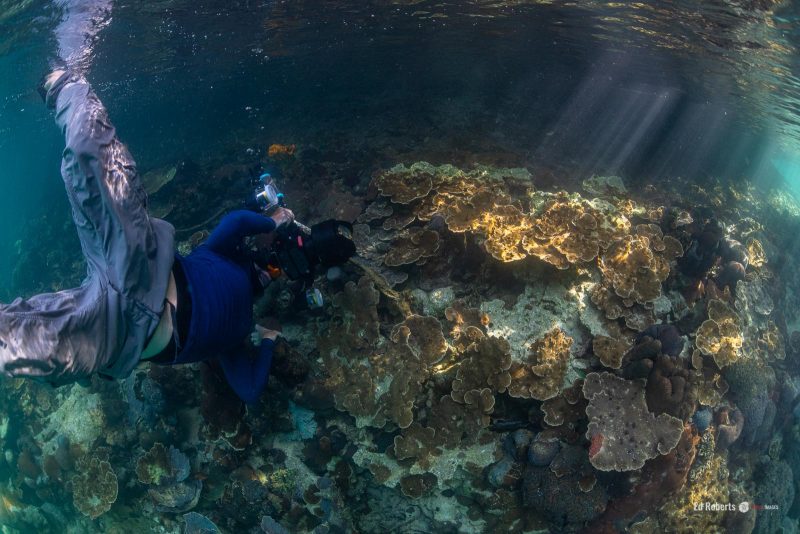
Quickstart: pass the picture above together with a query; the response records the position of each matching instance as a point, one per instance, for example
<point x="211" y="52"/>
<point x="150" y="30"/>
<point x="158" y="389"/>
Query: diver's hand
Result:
<point x="261" y="333"/>
<point x="282" y="216"/>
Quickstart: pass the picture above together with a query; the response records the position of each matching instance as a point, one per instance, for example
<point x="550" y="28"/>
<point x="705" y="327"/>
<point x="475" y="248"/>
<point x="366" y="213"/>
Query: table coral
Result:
<point x="95" y="487"/>
<point x="720" y="335"/>
<point x="626" y="434"/>
<point x="154" y="465"/>
<point x="770" y="343"/>
<point x="541" y="377"/>
<point x="162" y="465"/>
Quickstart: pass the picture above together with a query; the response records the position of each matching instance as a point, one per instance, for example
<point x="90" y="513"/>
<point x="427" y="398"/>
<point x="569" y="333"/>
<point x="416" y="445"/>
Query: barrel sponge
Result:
<point x="94" y="488"/>
<point x="623" y="433"/>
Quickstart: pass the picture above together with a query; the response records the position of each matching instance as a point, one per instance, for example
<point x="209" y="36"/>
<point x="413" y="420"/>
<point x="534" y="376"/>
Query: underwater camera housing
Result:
<point x="297" y="251"/>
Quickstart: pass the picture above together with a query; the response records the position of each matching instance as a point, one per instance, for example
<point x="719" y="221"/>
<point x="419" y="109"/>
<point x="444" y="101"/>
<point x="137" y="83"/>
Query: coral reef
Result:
<point x="498" y="358"/>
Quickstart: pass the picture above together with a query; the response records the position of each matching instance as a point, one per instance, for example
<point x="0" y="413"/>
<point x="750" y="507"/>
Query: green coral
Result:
<point x="154" y="466"/>
<point x="281" y="481"/>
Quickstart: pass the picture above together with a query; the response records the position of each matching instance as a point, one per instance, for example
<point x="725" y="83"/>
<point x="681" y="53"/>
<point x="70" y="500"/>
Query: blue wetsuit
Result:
<point x="219" y="279"/>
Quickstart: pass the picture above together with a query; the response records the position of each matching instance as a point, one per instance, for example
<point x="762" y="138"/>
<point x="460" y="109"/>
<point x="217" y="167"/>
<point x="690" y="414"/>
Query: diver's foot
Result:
<point x="52" y="78"/>
<point x="48" y="81"/>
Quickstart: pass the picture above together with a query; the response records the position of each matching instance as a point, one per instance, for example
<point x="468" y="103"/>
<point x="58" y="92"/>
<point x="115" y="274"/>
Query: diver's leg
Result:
<point x="131" y="250"/>
<point x="59" y="337"/>
<point x="105" y="323"/>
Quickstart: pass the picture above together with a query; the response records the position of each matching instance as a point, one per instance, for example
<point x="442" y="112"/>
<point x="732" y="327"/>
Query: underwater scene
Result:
<point x="468" y="266"/>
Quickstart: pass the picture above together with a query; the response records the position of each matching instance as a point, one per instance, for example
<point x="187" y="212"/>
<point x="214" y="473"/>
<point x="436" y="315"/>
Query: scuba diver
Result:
<point x="140" y="301"/>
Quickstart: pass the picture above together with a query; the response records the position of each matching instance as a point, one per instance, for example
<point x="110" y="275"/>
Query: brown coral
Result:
<point x="485" y="364"/>
<point x="626" y="434"/>
<point x="403" y="188"/>
<point x="755" y="253"/>
<point x="571" y="230"/>
<point x="278" y="150"/>
<point x="567" y="408"/>
<point x="418" y="443"/>
<point x="467" y="325"/>
<point x="154" y="466"/>
<point x="413" y="245"/>
<point x="415" y="486"/>
<point x="542" y="376"/>
<point x="632" y="269"/>
<point x="636" y="316"/>
<point x="609" y="350"/>
<point x="770" y="343"/>
<point x="95" y="487"/>
<point x="720" y="336"/>
<point x="504" y="227"/>
<point x="424" y="337"/>
<point x="354" y="328"/>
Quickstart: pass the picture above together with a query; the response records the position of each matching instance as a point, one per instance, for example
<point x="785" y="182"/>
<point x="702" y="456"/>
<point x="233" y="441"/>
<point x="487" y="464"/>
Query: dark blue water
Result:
<point x="667" y="88"/>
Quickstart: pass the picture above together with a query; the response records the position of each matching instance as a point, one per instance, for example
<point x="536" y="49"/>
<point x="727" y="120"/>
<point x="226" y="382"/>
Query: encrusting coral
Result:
<point x="622" y="432"/>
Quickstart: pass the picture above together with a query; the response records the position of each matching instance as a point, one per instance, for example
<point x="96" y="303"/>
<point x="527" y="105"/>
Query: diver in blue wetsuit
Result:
<point x="140" y="300"/>
<point x="209" y="313"/>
